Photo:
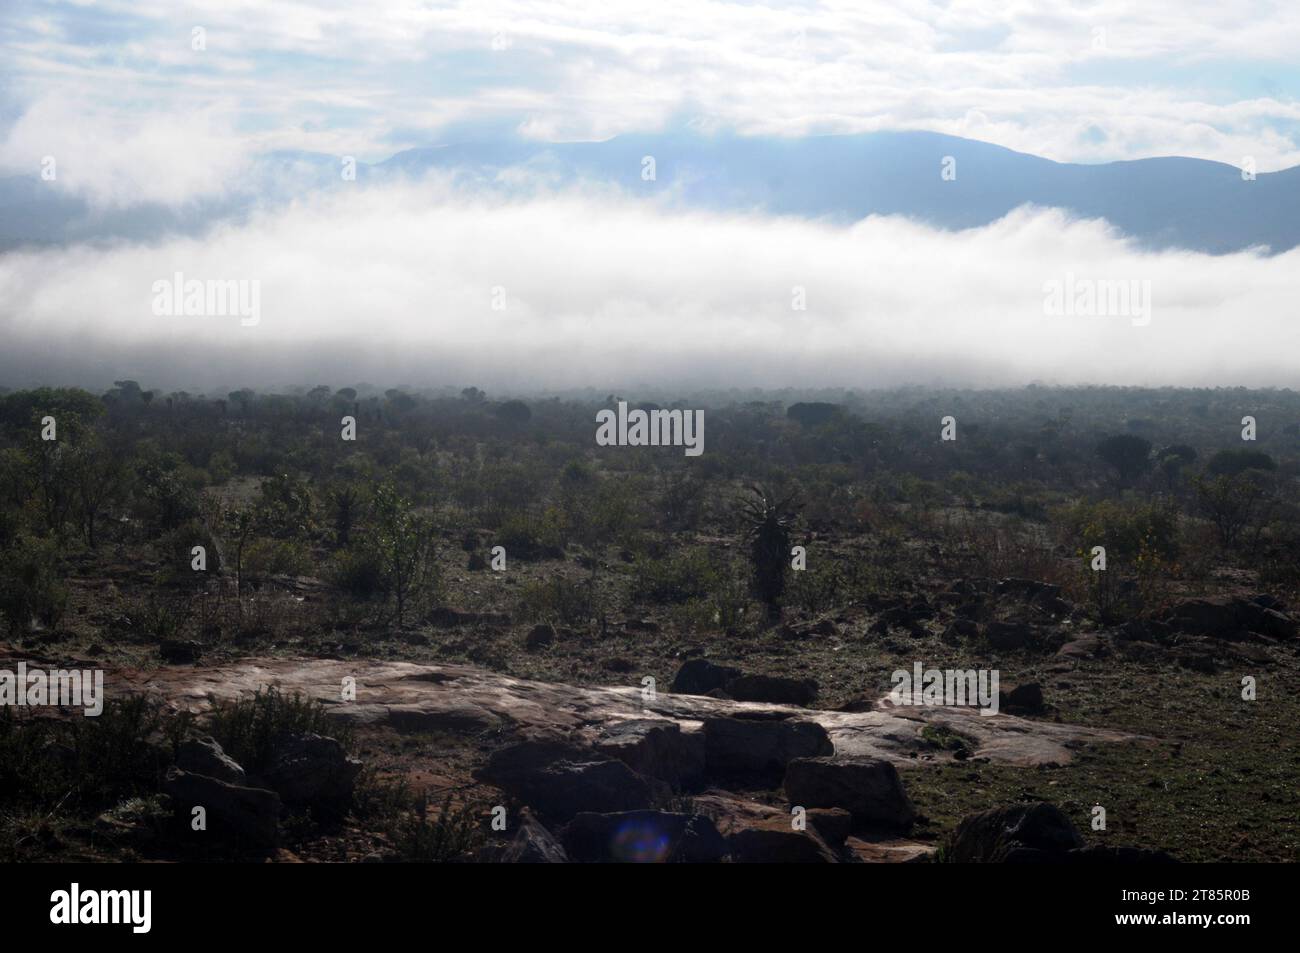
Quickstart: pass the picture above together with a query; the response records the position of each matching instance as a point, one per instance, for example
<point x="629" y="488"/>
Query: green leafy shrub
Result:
<point x="676" y="578"/>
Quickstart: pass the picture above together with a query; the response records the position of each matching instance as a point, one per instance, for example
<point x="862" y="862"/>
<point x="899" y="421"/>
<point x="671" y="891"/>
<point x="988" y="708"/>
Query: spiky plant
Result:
<point x="766" y="521"/>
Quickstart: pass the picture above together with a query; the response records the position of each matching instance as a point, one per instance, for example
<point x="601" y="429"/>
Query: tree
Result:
<point x="97" y="476"/>
<point x="513" y="412"/>
<point x="403" y="542"/>
<point x="1233" y="462"/>
<point x="766" y="521"/>
<point x="1234" y="503"/>
<point x="1129" y="454"/>
<point x="344" y="499"/>
<point x="1173" y="459"/>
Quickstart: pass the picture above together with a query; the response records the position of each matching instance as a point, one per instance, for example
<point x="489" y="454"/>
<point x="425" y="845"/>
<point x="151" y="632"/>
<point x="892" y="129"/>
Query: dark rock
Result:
<point x="760" y="749"/>
<point x="868" y="788"/>
<point x="533" y="844"/>
<point x="1026" y="589"/>
<point x="237" y="814"/>
<point x="1054" y="606"/>
<point x="1024" y="698"/>
<point x="1272" y="623"/>
<point x="960" y="629"/>
<point x="311" y="769"/>
<point x="643" y="837"/>
<point x="1085" y="647"/>
<point x="540" y="636"/>
<point x="834" y="824"/>
<point x="656" y="748"/>
<point x="1227" y="617"/>
<point x="771" y="688"/>
<point x="767" y="846"/>
<point x="204" y="756"/>
<point x="1008" y="635"/>
<point x="700" y="676"/>
<point x="1021" y="833"/>
<point x="807" y="630"/>
<point x="560" y="780"/>
<point x="177" y="652"/>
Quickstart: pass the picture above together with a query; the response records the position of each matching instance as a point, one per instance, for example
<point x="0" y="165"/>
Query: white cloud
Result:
<point x="396" y="285"/>
<point x="116" y="160"/>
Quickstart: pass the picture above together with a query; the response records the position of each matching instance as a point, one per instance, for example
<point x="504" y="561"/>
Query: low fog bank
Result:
<point x="419" y="285"/>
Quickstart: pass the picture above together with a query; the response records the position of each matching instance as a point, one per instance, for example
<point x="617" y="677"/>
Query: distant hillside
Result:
<point x="1162" y="202"/>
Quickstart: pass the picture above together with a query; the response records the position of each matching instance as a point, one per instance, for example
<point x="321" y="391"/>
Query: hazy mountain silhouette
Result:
<point x="1161" y="202"/>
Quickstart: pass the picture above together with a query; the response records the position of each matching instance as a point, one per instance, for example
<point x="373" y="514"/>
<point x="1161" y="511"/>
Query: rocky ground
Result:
<point x="665" y="747"/>
<point x="587" y="762"/>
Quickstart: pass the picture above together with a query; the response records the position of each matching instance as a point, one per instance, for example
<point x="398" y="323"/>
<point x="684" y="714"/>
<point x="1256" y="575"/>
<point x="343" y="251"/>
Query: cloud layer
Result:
<point x="420" y="284"/>
<point x="1072" y="81"/>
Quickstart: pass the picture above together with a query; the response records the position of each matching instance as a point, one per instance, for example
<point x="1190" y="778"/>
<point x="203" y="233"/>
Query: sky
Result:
<point x="169" y="103"/>
<point x="1071" y="81"/>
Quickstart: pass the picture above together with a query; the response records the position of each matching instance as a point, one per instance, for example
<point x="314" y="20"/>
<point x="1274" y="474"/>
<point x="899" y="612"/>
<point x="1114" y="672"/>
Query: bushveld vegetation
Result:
<point x="313" y="544"/>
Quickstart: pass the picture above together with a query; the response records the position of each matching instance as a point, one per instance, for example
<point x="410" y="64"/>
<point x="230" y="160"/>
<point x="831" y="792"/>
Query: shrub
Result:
<point x="277" y="557"/>
<point x="358" y="571"/>
<point x="555" y="600"/>
<point x="1141" y="544"/>
<point x="30" y="587"/>
<point x="247" y="727"/>
<point x="676" y="578"/>
<point x="453" y="834"/>
<point x="78" y="767"/>
<point x="533" y="536"/>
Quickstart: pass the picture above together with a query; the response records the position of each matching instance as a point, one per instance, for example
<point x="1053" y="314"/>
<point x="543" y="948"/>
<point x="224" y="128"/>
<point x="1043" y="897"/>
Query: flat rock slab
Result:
<point x="410" y="697"/>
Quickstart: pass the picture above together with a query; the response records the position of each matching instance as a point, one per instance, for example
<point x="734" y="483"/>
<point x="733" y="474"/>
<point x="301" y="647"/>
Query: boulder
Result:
<point x="533" y="844"/>
<point x="1025" y="698"/>
<point x="1084" y="647"/>
<point x="204" y="756"/>
<point x="758" y="749"/>
<point x="834" y="824"/>
<point x="762" y="845"/>
<point x="643" y="837"/>
<point x="655" y="748"/>
<point x="868" y="788"/>
<point x="560" y="780"/>
<point x="540" y="636"/>
<point x="1008" y="636"/>
<point x="1021" y="833"/>
<point x="700" y="676"/>
<point x="773" y="689"/>
<point x="1228" y="617"/>
<point x="178" y="652"/>
<point x="237" y="814"/>
<point x="311" y="769"/>
<point x="960" y="629"/>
